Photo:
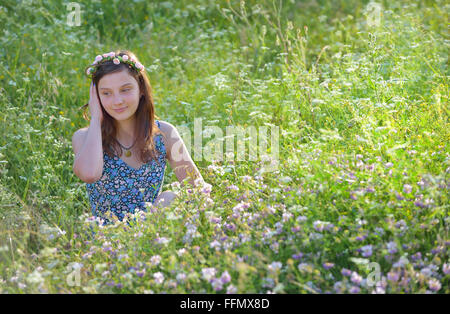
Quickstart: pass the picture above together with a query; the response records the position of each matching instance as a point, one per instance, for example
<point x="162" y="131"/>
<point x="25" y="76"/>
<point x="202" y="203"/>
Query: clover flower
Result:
<point x="208" y="273"/>
<point x="159" y="277"/>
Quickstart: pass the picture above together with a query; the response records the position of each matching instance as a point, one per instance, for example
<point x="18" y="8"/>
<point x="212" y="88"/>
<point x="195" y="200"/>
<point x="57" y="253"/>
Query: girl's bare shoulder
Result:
<point x="167" y="128"/>
<point x="165" y="125"/>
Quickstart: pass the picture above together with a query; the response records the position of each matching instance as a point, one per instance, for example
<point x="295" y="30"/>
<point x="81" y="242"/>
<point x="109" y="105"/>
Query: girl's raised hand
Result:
<point x="94" y="104"/>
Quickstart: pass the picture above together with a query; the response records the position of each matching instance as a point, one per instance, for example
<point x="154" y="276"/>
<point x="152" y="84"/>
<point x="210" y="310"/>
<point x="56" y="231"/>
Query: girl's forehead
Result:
<point x="116" y="80"/>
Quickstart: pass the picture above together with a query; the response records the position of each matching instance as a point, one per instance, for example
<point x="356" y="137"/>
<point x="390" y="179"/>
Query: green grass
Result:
<point x="362" y="111"/>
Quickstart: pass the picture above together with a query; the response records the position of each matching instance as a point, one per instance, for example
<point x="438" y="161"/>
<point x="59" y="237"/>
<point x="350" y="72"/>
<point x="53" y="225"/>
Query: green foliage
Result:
<point x="363" y="114"/>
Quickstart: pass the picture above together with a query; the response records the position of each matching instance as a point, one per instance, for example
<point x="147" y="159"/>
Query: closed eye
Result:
<point x="124" y="90"/>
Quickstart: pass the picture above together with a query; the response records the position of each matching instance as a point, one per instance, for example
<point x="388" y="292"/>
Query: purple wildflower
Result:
<point x="328" y="265"/>
<point x="392" y="247"/>
<point x="208" y="273"/>
<point x="419" y="203"/>
<point x="339" y="287"/>
<point x="217" y="284"/>
<point x="140" y="273"/>
<point x="355" y="278"/>
<point x="225" y="278"/>
<point x="354" y="289"/>
<point x="434" y="285"/>
<point x="393" y="276"/>
<point x="446" y="268"/>
<point x="231" y="289"/>
<point x="346" y="272"/>
<point x="407" y="188"/>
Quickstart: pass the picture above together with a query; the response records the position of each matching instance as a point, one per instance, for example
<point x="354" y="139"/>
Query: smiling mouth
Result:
<point x="121" y="109"/>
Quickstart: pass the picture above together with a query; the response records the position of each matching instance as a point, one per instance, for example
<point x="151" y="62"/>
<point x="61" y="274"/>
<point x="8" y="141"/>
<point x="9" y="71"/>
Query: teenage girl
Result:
<point x="122" y="154"/>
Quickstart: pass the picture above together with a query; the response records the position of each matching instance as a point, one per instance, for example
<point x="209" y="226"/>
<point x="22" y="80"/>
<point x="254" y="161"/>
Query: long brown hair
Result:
<point x="145" y="127"/>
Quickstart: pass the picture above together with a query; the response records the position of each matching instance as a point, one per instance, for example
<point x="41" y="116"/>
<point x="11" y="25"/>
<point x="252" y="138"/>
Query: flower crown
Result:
<point x="116" y="59"/>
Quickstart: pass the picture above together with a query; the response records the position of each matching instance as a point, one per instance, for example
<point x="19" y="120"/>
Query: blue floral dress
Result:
<point x="120" y="187"/>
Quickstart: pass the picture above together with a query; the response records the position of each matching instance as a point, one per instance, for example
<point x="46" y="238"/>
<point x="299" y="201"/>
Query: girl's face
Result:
<point x="119" y="90"/>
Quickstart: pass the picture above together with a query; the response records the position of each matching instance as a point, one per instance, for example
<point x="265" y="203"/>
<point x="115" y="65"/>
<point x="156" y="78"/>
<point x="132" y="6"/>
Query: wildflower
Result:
<point x="393" y="276"/>
<point x="401" y="262"/>
<point x="274" y="267"/>
<point x="370" y="190"/>
<point x="434" y="285"/>
<point x="401" y="225"/>
<point x="215" y="244"/>
<point x="328" y="265"/>
<point x="426" y="272"/>
<point x="392" y="247"/>
<point x="155" y="260"/>
<point x="286" y="216"/>
<point x="319" y="225"/>
<point x="346" y="272"/>
<point x="206" y="188"/>
<point x="162" y="240"/>
<point x="246" y="178"/>
<point x="268" y="282"/>
<point x="225" y="278"/>
<point x="35" y="277"/>
<point x="366" y="250"/>
<point x="354" y="289"/>
<point x="181" y="277"/>
<point x="379" y="231"/>
<point x="388" y="165"/>
<point x="230" y="226"/>
<point x="217" y="284"/>
<point x="304" y="267"/>
<point x="231" y="289"/>
<point x="159" y="277"/>
<point x="416" y="257"/>
<point x="232" y="188"/>
<point x="407" y="188"/>
<point x="339" y="287"/>
<point x="208" y="273"/>
<point x="446" y="268"/>
<point x="140" y="273"/>
<point x="419" y="203"/>
<point x="355" y="278"/>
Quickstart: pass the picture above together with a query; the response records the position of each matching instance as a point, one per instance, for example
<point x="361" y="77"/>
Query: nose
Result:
<point x="118" y="100"/>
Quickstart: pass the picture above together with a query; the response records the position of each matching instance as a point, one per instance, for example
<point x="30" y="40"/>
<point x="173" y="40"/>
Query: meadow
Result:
<point x="359" y="202"/>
